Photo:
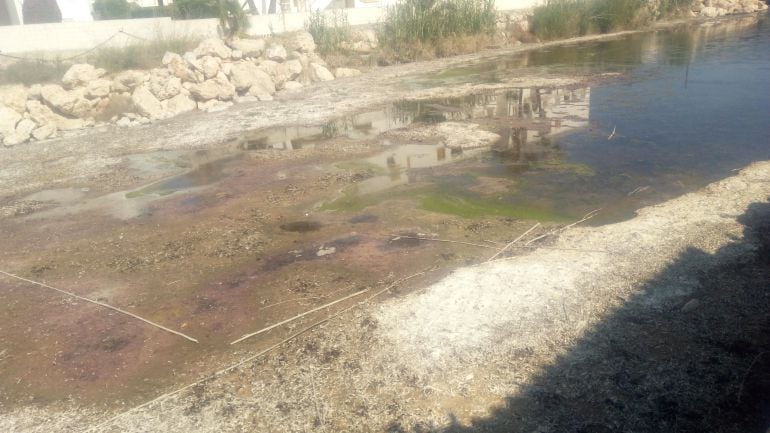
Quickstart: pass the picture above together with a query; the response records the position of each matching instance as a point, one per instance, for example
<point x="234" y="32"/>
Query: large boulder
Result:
<point x="276" y="53"/>
<point x="210" y="66"/>
<point x="146" y="103"/>
<point x="178" y="67"/>
<point x="245" y="75"/>
<point x="14" y="96"/>
<point x="281" y="72"/>
<point x="213" y="47"/>
<point x="127" y="81"/>
<point x="8" y="120"/>
<point x="179" y="104"/>
<point x="99" y="88"/>
<point x="164" y="86"/>
<point x="249" y="47"/>
<point x="44" y="132"/>
<point x="22" y="133"/>
<point x="80" y="75"/>
<point x="216" y="88"/>
<point x="72" y="103"/>
<point x="301" y="41"/>
<point x="42" y="115"/>
<point x="320" y="73"/>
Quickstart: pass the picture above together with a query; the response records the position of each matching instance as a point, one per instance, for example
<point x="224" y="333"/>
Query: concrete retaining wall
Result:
<point x="80" y="36"/>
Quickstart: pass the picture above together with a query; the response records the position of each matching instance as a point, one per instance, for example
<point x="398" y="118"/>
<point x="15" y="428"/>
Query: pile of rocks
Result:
<point x="718" y="8"/>
<point x="210" y="78"/>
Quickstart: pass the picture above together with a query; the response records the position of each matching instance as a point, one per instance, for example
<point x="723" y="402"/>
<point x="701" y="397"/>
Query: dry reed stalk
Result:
<point x="585" y="218"/>
<point x="101" y="304"/>
<point x="298" y="316"/>
<point x="396" y="237"/>
<point x="509" y="244"/>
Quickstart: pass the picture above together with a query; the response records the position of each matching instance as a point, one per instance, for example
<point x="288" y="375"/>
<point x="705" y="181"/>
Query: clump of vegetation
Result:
<point x="112" y="9"/>
<point x="568" y="18"/>
<point x="330" y="31"/>
<point x="29" y="72"/>
<point x="144" y="55"/>
<point x="418" y="28"/>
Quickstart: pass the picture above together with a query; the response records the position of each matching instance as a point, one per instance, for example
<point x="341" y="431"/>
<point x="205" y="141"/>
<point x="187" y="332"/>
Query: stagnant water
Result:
<point x="691" y="105"/>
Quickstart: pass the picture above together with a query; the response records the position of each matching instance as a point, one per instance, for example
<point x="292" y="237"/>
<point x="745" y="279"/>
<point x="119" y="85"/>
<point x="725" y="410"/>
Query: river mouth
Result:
<point x="284" y="219"/>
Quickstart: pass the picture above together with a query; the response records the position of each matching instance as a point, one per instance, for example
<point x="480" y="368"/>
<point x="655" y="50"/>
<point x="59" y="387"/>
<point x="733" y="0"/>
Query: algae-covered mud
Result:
<point x="227" y="238"/>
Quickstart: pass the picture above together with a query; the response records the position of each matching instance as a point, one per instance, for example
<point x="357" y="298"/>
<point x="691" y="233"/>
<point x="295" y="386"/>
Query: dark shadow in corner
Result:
<point x="697" y="367"/>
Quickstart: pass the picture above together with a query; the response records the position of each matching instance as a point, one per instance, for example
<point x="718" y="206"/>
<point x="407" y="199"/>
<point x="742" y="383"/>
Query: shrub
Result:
<point x="195" y="9"/>
<point x="31" y="72"/>
<point x="329" y="32"/>
<point x="145" y="55"/>
<point x="567" y="18"/>
<point x="420" y="21"/>
<point x="112" y="9"/>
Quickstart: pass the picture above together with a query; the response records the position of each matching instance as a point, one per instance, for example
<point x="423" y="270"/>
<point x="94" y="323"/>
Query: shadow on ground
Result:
<point x="691" y="366"/>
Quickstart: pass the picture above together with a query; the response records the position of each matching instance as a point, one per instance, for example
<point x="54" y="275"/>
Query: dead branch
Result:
<point x="514" y="241"/>
<point x="298" y="316"/>
<point x="101" y="304"/>
<point x="585" y="218"/>
<point x="396" y="237"/>
<point x="746" y="375"/>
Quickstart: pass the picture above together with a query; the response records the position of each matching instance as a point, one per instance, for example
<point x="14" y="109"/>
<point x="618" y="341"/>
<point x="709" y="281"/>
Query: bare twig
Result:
<point x="746" y="375"/>
<point x="250" y="358"/>
<point x="514" y="241"/>
<point x="298" y="316"/>
<point x="306" y="298"/>
<point x="396" y="237"/>
<point x="587" y="217"/>
<point x="102" y="304"/>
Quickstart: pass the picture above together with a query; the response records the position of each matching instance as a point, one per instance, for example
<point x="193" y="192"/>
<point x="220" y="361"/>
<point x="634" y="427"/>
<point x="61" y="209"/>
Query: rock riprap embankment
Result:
<point x="212" y="77"/>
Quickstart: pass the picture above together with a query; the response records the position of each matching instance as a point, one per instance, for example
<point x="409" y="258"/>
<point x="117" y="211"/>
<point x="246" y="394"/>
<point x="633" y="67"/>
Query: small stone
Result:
<point x="44" y="132"/>
<point x="691" y="305"/>
<point x="320" y="73"/>
<point x="346" y="72"/>
<point x="276" y="53"/>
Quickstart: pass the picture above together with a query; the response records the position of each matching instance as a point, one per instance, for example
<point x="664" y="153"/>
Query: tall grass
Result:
<point x="559" y="19"/>
<point x="144" y="55"/>
<point x="330" y="31"/>
<point x="30" y="72"/>
<point x="413" y="23"/>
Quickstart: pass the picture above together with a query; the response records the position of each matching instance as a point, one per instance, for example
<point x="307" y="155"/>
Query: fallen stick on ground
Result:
<point x="587" y="217"/>
<point x="396" y="237"/>
<point x="305" y="298"/>
<point x="298" y="316"/>
<point x="746" y="375"/>
<point x="252" y="357"/>
<point x="102" y="304"/>
<point x="509" y="244"/>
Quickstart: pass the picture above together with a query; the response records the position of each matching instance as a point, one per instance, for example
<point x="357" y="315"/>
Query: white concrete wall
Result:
<point x="80" y="36"/>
